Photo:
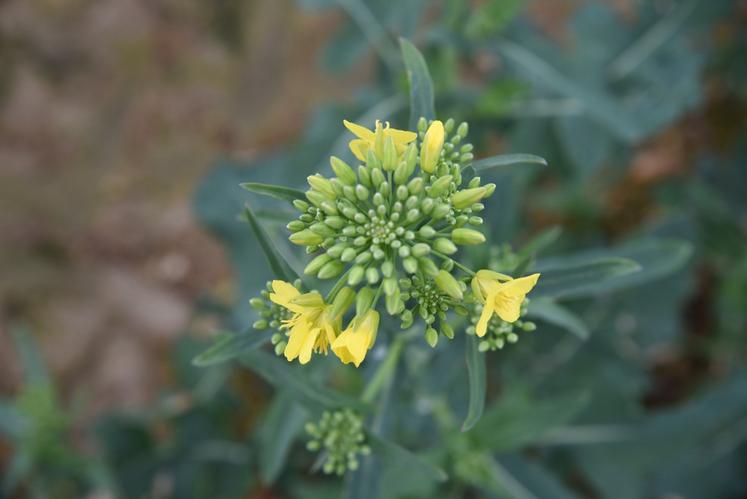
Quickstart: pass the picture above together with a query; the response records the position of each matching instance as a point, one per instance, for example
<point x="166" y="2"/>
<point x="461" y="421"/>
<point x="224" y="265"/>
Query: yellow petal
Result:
<point x="298" y="335"/>
<point x="359" y="131"/>
<point x="508" y="308"/>
<point x="304" y="355"/>
<point x="283" y="294"/>
<point x="487" y="312"/>
<point x="520" y="286"/>
<point x="351" y="346"/>
<point x="403" y="137"/>
<point x="360" y="148"/>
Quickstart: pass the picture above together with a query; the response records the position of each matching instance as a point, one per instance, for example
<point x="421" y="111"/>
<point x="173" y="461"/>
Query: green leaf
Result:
<point x="549" y="311"/>
<point x="403" y="473"/>
<point x="228" y="346"/>
<point x="597" y="105"/>
<point x="581" y="279"/>
<point x="275" y="191"/>
<point x="421" y="85"/>
<point x="507" y="160"/>
<point x="517" y="419"/>
<point x="295" y="379"/>
<point x="279" y="266"/>
<point x="283" y="421"/>
<point x="541" y="241"/>
<point x="476" y="375"/>
<point x="31" y="360"/>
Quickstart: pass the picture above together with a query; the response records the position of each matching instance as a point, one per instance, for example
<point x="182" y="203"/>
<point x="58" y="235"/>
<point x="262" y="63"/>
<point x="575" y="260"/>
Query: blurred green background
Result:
<point x="127" y="125"/>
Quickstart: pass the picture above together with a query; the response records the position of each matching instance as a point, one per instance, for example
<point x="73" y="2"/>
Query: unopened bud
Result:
<point x="430" y="151"/>
<point x="446" y="283"/>
<point x="467" y="197"/>
<point x="343" y="171"/>
<point x="306" y="238"/>
<point x="467" y="236"/>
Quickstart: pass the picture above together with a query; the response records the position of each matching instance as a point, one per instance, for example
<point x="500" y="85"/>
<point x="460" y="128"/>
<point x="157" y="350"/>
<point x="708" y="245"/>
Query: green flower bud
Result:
<point x="415" y="185"/>
<point x="257" y="303"/>
<point x="467" y="197"/>
<point x="410" y="158"/>
<point x="363" y="300"/>
<point x="343" y="171"/>
<point x="431" y="336"/>
<point x="430" y="150"/>
<point x="356" y="275"/>
<point x="322" y="229"/>
<point x="316" y="264"/>
<point x="420" y="249"/>
<point x="389" y="160"/>
<point x="440" y="211"/>
<point x="439" y="186"/>
<point x="260" y="324"/>
<point x="377" y="177"/>
<point x="467" y="236"/>
<point x="428" y="266"/>
<point x="387" y="268"/>
<point x="328" y="208"/>
<point x="301" y="205"/>
<point x="306" y="238"/>
<point x="348" y="255"/>
<point x="390" y="285"/>
<point x="394" y="302"/>
<point x="330" y="269"/>
<point x="295" y="226"/>
<point x="427" y="231"/>
<point x="372" y="161"/>
<point x="322" y="185"/>
<point x="445" y="246"/>
<point x="316" y="198"/>
<point x="344" y="298"/>
<point x="372" y="275"/>
<point x="364" y="176"/>
<point x="401" y="174"/>
<point x="463" y="129"/>
<point x="446" y="283"/>
<point x="410" y="265"/>
<point x="447" y="330"/>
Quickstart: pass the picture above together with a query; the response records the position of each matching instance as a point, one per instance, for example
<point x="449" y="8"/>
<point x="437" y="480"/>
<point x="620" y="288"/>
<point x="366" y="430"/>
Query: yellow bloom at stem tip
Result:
<point x="374" y="140"/>
<point x="312" y="327"/>
<point x="500" y="294"/>
<point x="360" y="335"/>
<point x="433" y="142"/>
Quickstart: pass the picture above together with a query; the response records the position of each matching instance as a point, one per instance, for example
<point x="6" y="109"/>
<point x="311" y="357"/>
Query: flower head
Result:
<point x="340" y="437"/>
<point x="353" y="343"/>
<point x="376" y="140"/>
<point x="500" y="294"/>
<point x="312" y="326"/>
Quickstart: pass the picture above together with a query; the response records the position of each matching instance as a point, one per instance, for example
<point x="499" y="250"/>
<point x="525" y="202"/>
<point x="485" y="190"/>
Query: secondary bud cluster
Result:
<point x="340" y="437"/>
<point x="402" y="212"/>
<point x="272" y="316"/>
<point x="427" y="298"/>
<point x="500" y="332"/>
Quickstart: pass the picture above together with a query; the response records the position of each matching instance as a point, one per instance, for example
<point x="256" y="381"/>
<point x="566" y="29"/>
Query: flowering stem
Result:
<point x="337" y="287"/>
<point x="457" y="264"/>
<point x="384" y="372"/>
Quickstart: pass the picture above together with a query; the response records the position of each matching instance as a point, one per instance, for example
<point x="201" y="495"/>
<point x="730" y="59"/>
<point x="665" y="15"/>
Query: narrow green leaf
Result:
<point x="549" y="311"/>
<point x="542" y="241"/>
<point x="581" y="279"/>
<point x="401" y="466"/>
<point x="280" y="373"/>
<point x="275" y="191"/>
<point x="597" y="105"/>
<point x="507" y="160"/>
<point x="228" y="346"/>
<point x="476" y="375"/>
<point x="281" y="425"/>
<point x="421" y="85"/>
<point x="279" y="266"/>
<point x="517" y="419"/>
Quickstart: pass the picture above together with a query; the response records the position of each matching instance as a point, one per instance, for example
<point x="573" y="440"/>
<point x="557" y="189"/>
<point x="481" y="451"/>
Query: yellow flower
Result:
<point x="312" y="327"/>
<point x="368" y="139"/>
<point x="430" y="151"/>
<point x="503" y="298"/>
<point x="357" y="339"/>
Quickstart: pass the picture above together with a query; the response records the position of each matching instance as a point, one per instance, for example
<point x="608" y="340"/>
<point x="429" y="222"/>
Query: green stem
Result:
<point x="445" y="257"/>
<point x="338" y="286"/>
<point x="384" y="372"/>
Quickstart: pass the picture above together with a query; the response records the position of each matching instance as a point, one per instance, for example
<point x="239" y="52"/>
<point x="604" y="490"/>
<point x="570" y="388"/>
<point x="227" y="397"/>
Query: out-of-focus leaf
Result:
<point x="295" y="379"/>
<point x="18" y="469"/>
<point x="476" y="376"/>
<point x="31" y="361"/>
<point x="597" y="105"/>
<point x="276" y="191"/>
<point x="421" y="85"/>
<point x="541" y="241"/>
<point x="282" y="423"/>
<point x="11" y="422"/>
<point x="572" y="279"/>
<point x="549" y="311"/>
<point x="491" y="16"/>
<point x="403" y="473"/>
<point x="279" y="266"/>
<point x="502" y="160"/>
<point x="228" y="346"/>
<point x="517" y="419"/>
<point x="584" y="142"/>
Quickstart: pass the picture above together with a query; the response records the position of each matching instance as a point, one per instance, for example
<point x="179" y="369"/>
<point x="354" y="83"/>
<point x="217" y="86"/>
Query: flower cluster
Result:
<point x="390" y="228"/>
<point x="340" y="438"/>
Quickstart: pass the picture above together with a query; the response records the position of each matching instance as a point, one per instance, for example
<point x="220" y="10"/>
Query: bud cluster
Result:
<point x="340" y="437"/>
<point x="426" y="298"/>
<point x="272" y="316"/>
<point x="402" y="212"/>
<point x="500" y="332"/>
